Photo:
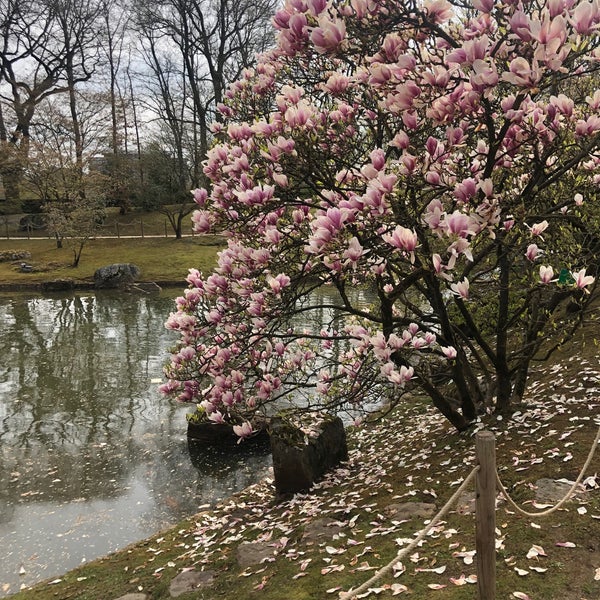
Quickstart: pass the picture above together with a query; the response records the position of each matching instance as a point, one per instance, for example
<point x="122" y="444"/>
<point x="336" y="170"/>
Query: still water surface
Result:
<point x="92" y="458"/>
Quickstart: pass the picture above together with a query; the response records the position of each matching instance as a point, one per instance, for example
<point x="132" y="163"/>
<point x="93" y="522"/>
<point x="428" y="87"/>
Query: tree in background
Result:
<point x="47" y="47"/>
<point x="193" y="49"/>
<point x="445" y="157"/>
<point x="74" y="222"/>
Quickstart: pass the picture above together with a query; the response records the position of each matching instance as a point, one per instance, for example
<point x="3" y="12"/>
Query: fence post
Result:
<point x="485" y="507"/>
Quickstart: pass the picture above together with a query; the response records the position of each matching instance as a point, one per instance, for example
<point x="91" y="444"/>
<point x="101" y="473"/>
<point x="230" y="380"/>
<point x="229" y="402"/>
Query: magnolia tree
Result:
<point x="444" y="157"/>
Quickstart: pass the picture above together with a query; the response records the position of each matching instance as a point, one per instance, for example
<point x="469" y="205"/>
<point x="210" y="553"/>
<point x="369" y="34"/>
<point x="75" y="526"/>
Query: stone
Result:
<point x="133" y="597"/>
<point x="321" y="530"/>
<point x="189" y="581"/>
<point x="551" y="490"/>
<point x="118" y="275"/>
<point x="12" y="255"/>
<point x="58" y="285"/>
<point x="221" y="435"/>
<point x="465" y="505"/>
<point x="302" y="454"/>
<point x="407" y="510"/>
<point x="254" y="553"/>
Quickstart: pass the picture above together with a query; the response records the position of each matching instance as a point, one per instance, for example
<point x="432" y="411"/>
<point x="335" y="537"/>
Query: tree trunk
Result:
<point x="442" y="404"/>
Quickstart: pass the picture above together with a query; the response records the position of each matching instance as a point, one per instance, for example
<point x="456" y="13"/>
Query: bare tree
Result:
<point x="47" y="47"/>
<point x="194" y="49"/>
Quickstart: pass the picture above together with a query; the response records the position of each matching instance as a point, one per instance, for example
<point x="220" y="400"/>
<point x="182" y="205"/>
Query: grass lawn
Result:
<point x="160" y="259"/>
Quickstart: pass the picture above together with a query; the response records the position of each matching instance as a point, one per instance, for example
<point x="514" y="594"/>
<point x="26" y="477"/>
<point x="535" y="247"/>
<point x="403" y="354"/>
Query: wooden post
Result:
<point x="485" y="507"/>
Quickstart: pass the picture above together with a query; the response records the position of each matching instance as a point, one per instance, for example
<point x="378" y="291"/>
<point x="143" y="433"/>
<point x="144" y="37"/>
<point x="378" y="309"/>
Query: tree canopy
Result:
<point x="443" y="156"/>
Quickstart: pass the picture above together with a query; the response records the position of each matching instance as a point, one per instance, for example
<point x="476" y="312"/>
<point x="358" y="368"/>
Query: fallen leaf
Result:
<point x="536" y="551"/>
<point x="436" y="586"/>
<point x="521" y="596"/>
<point x="538" y="569"/>
<point x="566" y="544"/>
<point x="438" y="570"/>
<point x="398" y="588"/>
<point x="521" y="572"/>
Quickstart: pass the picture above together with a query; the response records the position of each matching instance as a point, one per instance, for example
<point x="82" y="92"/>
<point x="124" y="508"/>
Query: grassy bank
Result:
<point x="409" y="456"/>
<point x="160" y="259"/>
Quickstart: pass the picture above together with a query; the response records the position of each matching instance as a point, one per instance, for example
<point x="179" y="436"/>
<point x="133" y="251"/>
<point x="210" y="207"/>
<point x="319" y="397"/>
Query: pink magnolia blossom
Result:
<point x="582" y="280"/>
<point x="449" y="352"/>
<point x="243" y="431"/>
<point x="522" y="74"/>
<point x="538" y="228"/>
<point x="216" y="417"/>
<point x="585" y="17"/>
<point x="484" y="6"/>
<point x="461" y="289"/>
<point x="546" y="274"/>
<point x="354" y="251"/>
<point x="533" y="252"/>
<point x="329" y="35"/>
<point x="403" y="238"/>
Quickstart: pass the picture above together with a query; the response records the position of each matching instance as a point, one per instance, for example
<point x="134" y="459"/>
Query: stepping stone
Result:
<point x="189" y="581"/>
<point x="133" y="597"/>
<point x="408" y="510"/>
<point x="321" y="530"/>
<point x="253" y="553"/>
<point x="465" y="505"/>
<point x="550" y="490"/>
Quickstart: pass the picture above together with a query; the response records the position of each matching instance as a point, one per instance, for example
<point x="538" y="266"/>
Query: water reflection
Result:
<point x="91" y="457"/>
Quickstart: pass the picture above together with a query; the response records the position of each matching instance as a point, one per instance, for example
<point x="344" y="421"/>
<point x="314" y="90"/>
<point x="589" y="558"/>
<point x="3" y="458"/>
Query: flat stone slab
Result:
<point x="253" y="553"/>
<point x="321" y="530"/>
<point x="133" y="597"/>
<point x="551" y="490"/>
<point x="189" y="581"/>
<point x="465" y="505"/>
<point x="408" y="510"/>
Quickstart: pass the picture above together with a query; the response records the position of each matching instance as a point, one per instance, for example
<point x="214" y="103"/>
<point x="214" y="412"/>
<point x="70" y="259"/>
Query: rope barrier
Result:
<point x="385" y="569"/>
<point x="564" y="499"/>
<point x="351" y="594"/>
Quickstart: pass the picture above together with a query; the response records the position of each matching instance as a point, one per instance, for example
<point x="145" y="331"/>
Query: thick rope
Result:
<point x="566" y="497"/>
<point x="385" y="569"/>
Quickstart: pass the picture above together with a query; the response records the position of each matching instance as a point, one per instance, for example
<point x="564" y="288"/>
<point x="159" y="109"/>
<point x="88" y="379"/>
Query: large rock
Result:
<point x="304" y="452"/>
<point x="190" y="581"/>
<point x="118" y="275"/>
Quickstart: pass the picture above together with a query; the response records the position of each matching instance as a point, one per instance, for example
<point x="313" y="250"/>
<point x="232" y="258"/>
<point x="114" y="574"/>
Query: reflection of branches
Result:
<point x="77" y="402"/>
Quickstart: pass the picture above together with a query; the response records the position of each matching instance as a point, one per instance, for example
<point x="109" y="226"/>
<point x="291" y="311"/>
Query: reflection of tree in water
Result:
<point x="74" y="391"/>
<point x="184" y="475"/>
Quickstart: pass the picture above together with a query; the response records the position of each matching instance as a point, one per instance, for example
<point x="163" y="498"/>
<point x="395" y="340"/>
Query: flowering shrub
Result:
<point x="445" y="157"/>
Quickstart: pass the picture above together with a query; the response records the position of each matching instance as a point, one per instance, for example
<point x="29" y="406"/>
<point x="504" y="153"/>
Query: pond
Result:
<point x="92" y="458"/>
